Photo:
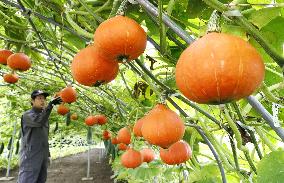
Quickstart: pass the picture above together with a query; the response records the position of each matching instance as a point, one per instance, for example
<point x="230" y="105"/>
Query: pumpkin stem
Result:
<point x="122" y="8"/>
<point x="123" y="58"/>
<point x="214" y="22"/>
<point x="98" y="83"/>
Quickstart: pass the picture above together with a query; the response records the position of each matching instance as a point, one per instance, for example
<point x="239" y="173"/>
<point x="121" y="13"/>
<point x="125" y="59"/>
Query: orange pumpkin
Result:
<point x="137" y="128"/>
<point x="162" y="126"/>
<point x="177" y="153"/>
<point x="74" y="116"/>
<point x="90" y="121"/>
<point x="101" y="119"/>
<point x="62" y="109"/>
<point x="11" y="78"/>
<point x="122" y="146"/>
<point x="219" y="68"/>
<point x="4" y="54"/>
<point x="120" y="38"/>
<point x="131" y="158"/>
<point x="114" y="141"/>
<point x="19" y="61"/>
<point x="124" y="136"/>
<point x="68" y="94"/>
<point x="147" y="155"/>
<point x="106" y="135"/>
<point x="90" y="69"/>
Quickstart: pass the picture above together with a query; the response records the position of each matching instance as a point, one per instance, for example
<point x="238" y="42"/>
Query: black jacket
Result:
<point x="35" y="129"/>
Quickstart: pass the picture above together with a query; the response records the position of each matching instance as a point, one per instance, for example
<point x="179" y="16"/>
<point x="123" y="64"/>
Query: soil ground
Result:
<point x="72" y="169"/>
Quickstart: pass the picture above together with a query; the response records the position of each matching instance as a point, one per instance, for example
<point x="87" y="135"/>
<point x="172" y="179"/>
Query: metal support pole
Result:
<point x="7" y="178"/>
<point x="266" y="115"/>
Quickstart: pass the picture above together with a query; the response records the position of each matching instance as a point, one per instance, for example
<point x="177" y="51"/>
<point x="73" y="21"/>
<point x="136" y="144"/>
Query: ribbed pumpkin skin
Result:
<point x="177" y="153"/>
<point x="137" y="128"/>
<point x="11" y="78"/>
<point x="147" y="155"/>
<point x="131" y="158"/>
<point x="19" y="61"/>
<point x="219" y="68"/>
<point x="68" y="94"/>
<point x="88" y="68"/>
<point x="120" y="37"/>
<point x="101" y="119"/>
<point x="62" y="109"/>
<point x="124" y="136"/>
<point x="74" y="116"/>
<point x="162" y="126"/>
<point x="4" y="54"/>
<point x="122" y="146"/>
<point x="90" y="120"/>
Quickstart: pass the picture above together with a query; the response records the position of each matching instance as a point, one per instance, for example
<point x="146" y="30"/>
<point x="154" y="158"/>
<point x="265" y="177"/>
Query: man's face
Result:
<point x="39" y="102"/>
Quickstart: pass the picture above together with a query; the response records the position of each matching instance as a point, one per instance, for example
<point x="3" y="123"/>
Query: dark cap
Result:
<point x="37" y="93"/>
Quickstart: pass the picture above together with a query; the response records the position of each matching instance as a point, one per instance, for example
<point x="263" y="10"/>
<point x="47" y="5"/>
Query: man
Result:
<point x="34" y="143"/>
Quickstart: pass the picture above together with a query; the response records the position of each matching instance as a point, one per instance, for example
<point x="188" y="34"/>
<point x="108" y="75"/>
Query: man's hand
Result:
<point x="56" y="101"/>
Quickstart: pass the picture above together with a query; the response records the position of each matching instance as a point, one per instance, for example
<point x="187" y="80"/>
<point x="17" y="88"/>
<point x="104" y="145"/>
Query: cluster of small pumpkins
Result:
<point x="16" y="62"/>
<point x="118" y="39"/>
<point x="68" y="95"/>
<point x="160" y="126"/>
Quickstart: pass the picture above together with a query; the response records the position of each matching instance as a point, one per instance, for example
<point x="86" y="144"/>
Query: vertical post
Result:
<point x="88" y="167"/>
<point x="7" y="178"/>
<point x="11" y="150"/>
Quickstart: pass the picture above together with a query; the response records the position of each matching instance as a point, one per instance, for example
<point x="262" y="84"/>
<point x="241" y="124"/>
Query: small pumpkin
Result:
<point x="131" y="158"/>
<point x="124" y="136"/>
<point x="68" y="94"/>
<point x="219" y="68"/>
<point x="106" y="135"/>
<point x="90" y="120"/>
<point x="137" y="128"/>
<point x="90" y="69"/>
<point x="101" y="119"/>
<point x="11" y="78"/>
<point x="177" y="153"/>
<point x="4" y="54"/>
<point x="74" y="116"/>
<point x="162" y="126"/>
<point x="62" y="109"/>
<point x="120" y="38"/>
<point x="114" y="141"/>
<point x="147" y="155"/>
<point x="122" y="146"/>
<point x="19" y="61"/>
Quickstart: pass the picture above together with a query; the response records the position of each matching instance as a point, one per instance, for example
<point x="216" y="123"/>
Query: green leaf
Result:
<point x="207" y="174"/>
<point x="271" y="168"/>
<point x="263" y="16"/>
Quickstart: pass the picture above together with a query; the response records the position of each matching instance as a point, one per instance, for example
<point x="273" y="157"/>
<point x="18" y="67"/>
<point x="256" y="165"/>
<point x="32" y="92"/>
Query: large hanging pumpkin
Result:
<point x="62" y="109"/>
<point x="177" y="153"/>
<point x="4" y="54"/>
<point x="219" y="68"/>
<point x="19" y="61"/>
<point x="11" y="78"/>
<point x="124" y="136"/>
<point x="131" y="158"/>
<point x="68" y="94"/>
<point x="120" y="38"/>
<point x="90" y="69"/>
<point x="162" y="126"/>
